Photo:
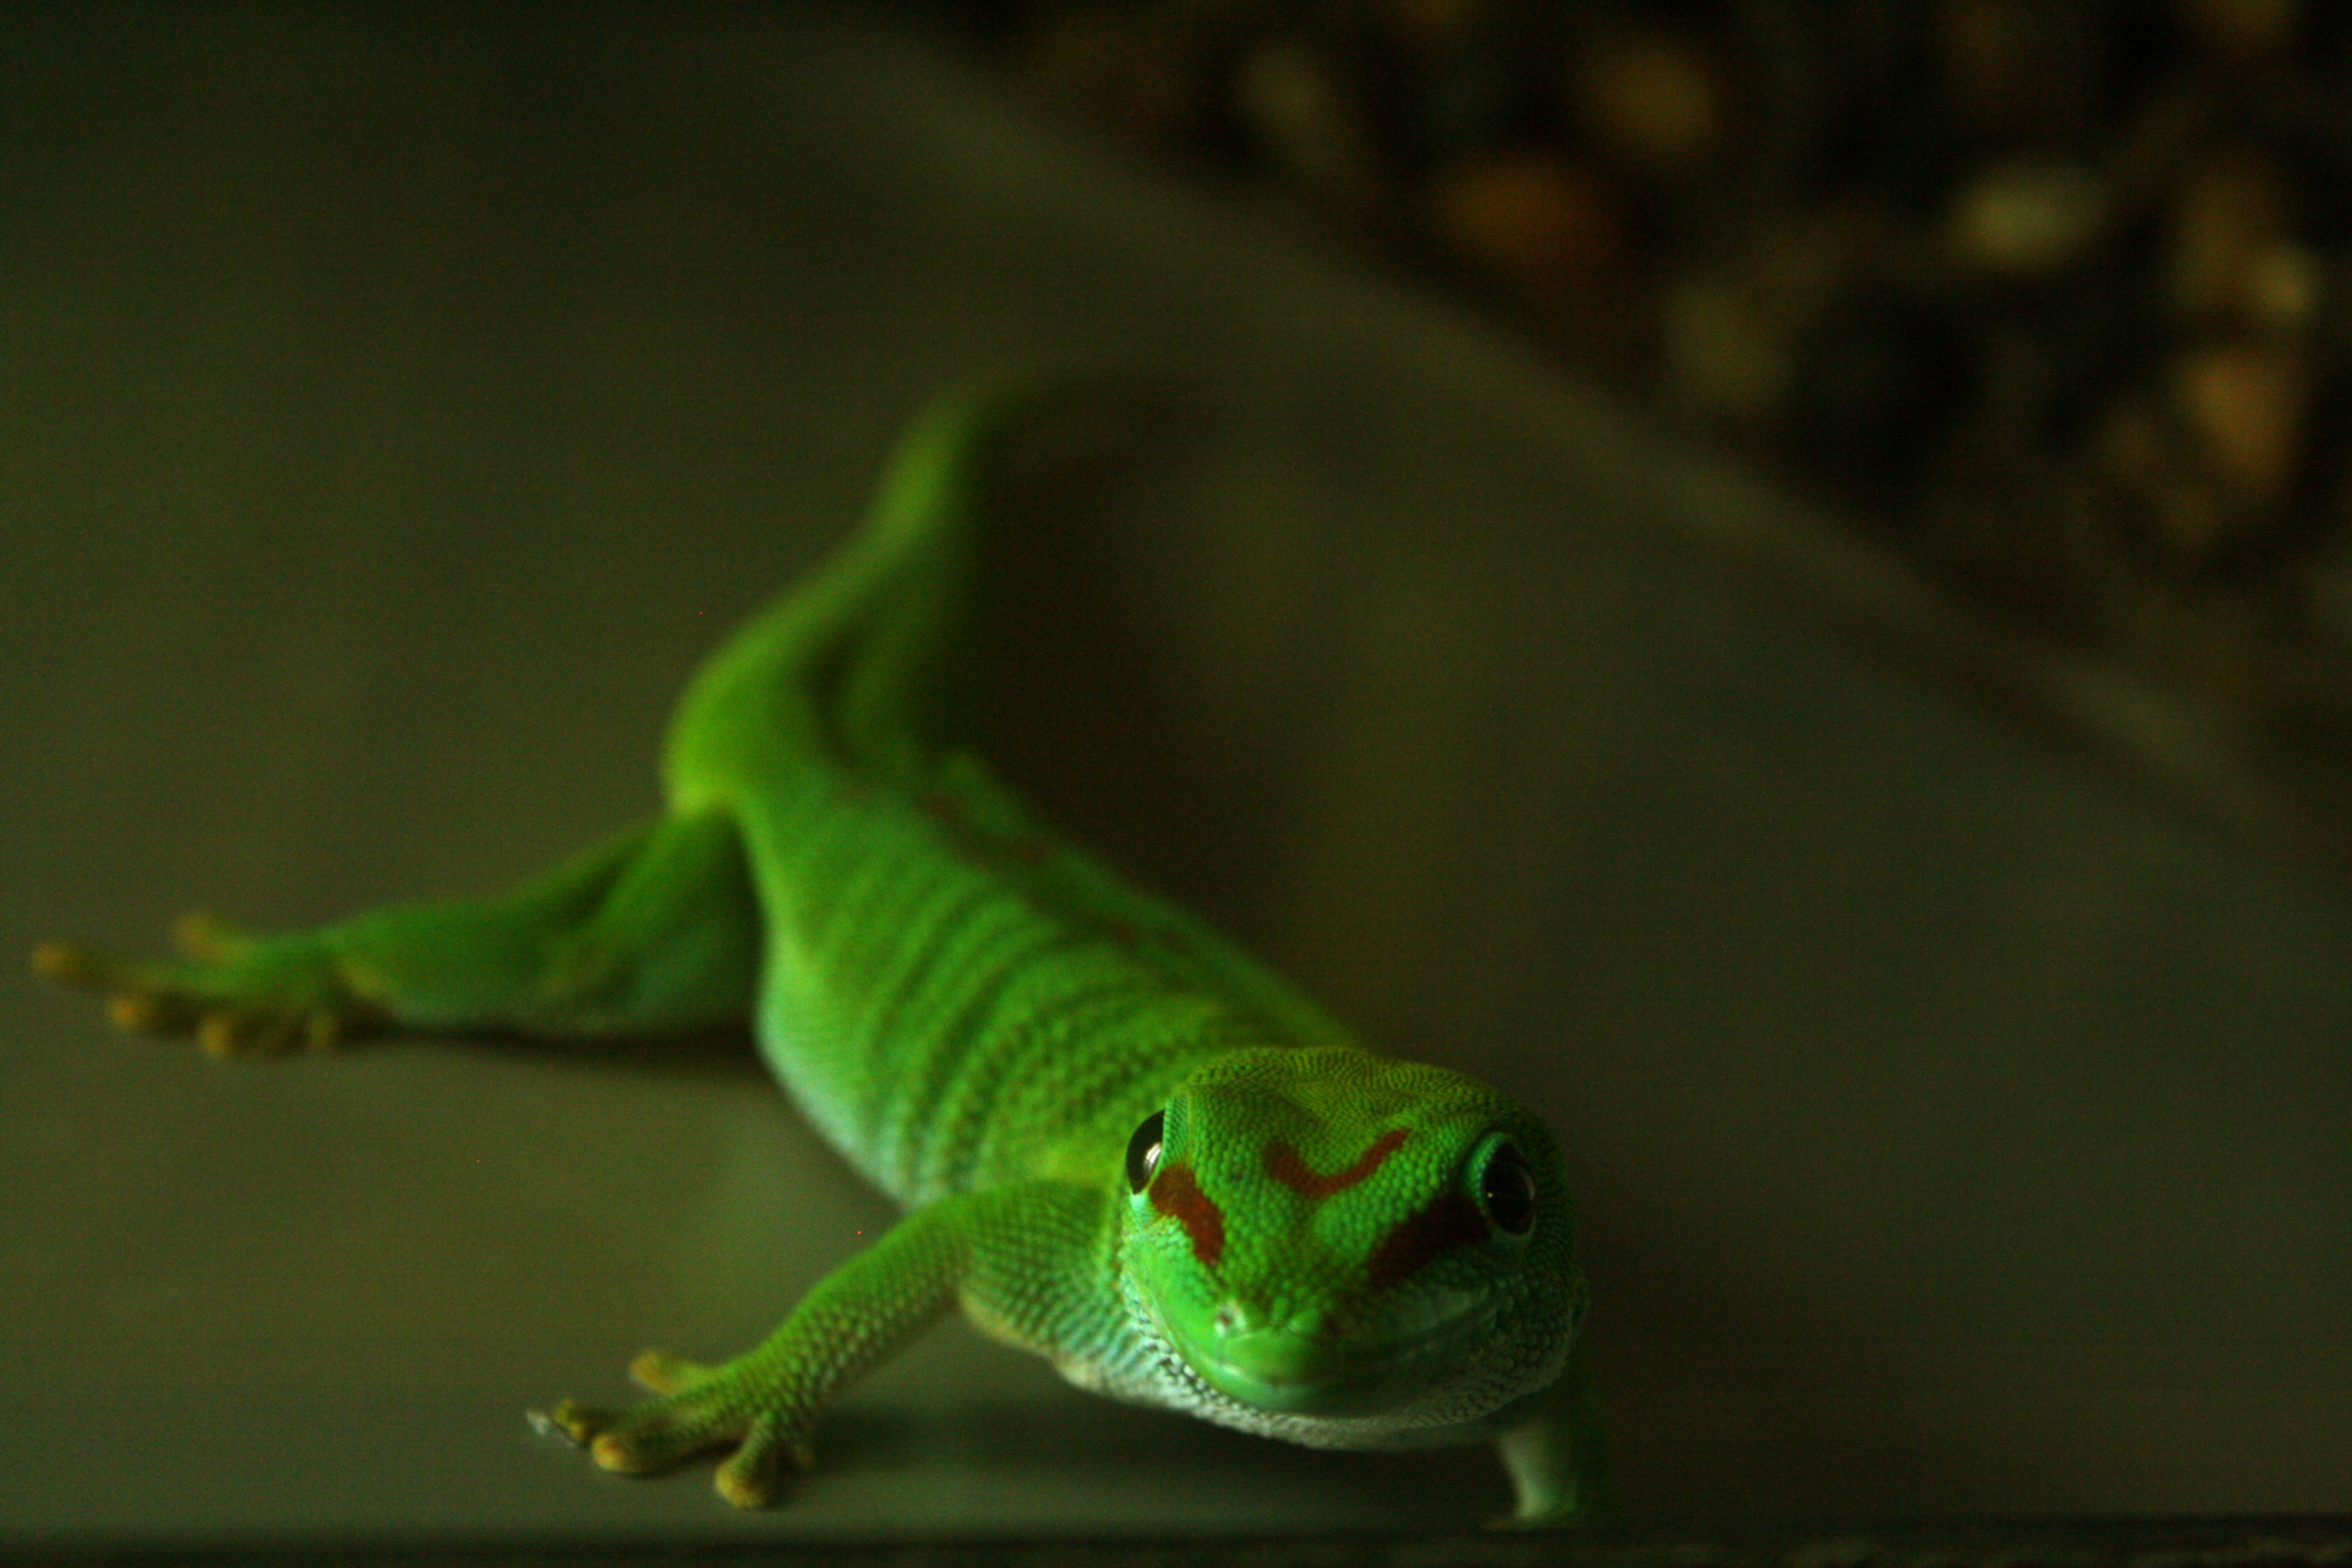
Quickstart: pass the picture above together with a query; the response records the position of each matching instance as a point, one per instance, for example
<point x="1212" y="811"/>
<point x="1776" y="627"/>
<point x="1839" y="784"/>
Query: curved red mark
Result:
<point x="1450" y="1220"/>
<point x="1176" y="1194"/>
<point x="1283" y="1163"/>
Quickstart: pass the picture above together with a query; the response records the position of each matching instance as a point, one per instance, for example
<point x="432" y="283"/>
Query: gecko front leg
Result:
<point x="767" y="1401"/>
<point x="1556" y="1456"/>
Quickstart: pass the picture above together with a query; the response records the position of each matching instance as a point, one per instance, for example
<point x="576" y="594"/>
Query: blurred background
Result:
<point x="1755" y="574"/>
<point x="2051" y="297"/>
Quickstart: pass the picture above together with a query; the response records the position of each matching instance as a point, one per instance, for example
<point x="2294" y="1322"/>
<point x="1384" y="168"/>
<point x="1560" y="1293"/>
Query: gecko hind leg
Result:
<point x="655" y="929"/>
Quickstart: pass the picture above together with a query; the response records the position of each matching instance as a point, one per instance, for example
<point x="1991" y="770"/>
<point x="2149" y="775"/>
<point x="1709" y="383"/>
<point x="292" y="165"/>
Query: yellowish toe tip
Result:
<point x="219" y="1036"/>
<point x="140" y="1014"/>
<point x="204" y="935"/>
<point x="744" y="1492"/>
<point x="658" y="1372"/>
<point x="614" y="1453"/>
<point x="56" y="960"/>
<point x="567" y="1420"/>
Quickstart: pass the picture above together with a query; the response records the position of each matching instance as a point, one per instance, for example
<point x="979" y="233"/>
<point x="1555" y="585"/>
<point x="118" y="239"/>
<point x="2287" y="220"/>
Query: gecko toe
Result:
<point x="235" y="1032"/>
<point x="649" y="1438"/>
<point x="746" y="1484"/>
<point x="207" y="938"/>
<point x="570" y="1420"/>
<point x="616" y="1451"/>
<point x="149" y="1013"/>
<point x="640" y="1439"/>
<point x="753" y="1475"/>
<point x="79" y="968"/>
<point x="69" y="963"/>
<point x="663" y="1373"/>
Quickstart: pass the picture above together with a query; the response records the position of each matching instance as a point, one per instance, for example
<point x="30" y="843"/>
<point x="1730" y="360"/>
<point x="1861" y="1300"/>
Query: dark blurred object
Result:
<point x="2051" y="291"/>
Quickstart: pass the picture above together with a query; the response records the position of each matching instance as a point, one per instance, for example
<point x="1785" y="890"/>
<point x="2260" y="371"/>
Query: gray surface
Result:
<point x="395" y="406"/>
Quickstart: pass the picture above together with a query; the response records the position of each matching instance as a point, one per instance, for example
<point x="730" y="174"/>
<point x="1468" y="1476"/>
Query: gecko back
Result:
<point x="953" y="992"/>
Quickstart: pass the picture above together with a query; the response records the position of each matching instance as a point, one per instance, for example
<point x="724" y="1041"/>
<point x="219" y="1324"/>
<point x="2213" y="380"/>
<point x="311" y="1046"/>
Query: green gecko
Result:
<point x="1122" y="1144"/>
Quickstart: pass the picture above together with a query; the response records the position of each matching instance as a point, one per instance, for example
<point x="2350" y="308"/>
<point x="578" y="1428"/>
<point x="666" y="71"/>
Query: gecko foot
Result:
<point x="699" y="1408"/>
<point x="239" y="994"/>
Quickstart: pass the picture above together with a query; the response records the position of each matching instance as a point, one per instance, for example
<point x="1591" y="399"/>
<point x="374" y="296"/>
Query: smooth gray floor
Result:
<point x="393" y="404"/>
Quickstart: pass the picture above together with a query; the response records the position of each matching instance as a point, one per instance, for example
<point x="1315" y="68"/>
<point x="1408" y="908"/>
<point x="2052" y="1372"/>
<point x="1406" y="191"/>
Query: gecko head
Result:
<point x="1324" y="1233"/>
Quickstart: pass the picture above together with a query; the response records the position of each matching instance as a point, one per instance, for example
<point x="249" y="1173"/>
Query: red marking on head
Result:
<point x="940" y="807"/>
<point x="1449" y="1221"/>
<point x="1124" y="932"/>
<point x="1176" y="1194"/>
<point x="1029" y="851"/>
<point x="1283" y="1163"/>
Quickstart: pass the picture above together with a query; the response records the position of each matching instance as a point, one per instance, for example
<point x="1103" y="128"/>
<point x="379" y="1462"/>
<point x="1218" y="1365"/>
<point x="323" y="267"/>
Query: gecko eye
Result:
<point x="1507" y="1190"/>
<point x="1143" y="1151"/>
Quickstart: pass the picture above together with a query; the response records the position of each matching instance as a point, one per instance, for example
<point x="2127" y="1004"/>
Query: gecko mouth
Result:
<point x="1275" y="1369"/>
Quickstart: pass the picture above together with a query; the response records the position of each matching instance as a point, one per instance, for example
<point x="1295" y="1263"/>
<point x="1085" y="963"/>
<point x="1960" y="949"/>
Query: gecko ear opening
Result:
<point x="1143" y="1151"/>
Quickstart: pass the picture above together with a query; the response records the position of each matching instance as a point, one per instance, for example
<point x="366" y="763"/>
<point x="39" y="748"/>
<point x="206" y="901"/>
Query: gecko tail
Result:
<point x="846" y="672"/>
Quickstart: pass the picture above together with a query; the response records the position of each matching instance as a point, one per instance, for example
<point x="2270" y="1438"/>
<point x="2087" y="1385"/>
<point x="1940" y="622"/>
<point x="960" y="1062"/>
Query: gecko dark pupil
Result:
<point x="1506" y="1191"/>
<point x="1143" y="1151"/>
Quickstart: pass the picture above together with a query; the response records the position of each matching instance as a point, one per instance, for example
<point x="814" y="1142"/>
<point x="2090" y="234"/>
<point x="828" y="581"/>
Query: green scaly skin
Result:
<point x="1122" y="1143"/>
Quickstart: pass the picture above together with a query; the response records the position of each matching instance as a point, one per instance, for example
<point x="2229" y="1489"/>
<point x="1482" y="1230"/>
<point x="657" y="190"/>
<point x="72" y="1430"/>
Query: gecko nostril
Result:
<point x="1228" y="1318"/>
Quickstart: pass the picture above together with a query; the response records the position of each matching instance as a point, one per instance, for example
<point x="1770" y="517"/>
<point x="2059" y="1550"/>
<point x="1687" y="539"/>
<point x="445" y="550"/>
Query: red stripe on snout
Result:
<point x="1283" y="1163"/>
<point x="1450" y="1220"/>
<point x="1176" y="1194"/>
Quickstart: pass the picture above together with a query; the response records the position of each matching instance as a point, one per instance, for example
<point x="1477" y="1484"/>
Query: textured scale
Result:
<point x="1123" y="1143"/>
